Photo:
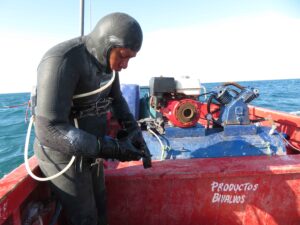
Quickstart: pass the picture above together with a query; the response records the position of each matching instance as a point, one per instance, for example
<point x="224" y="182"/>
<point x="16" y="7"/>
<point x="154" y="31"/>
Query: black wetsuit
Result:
<point x="74" y="67"/>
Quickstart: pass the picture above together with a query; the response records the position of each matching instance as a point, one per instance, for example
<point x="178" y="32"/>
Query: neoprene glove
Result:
<point x="136" y="138"/>
<point x="138" y="141"/>
<point x="133" y="132"/>
<point x="122" y="150"/>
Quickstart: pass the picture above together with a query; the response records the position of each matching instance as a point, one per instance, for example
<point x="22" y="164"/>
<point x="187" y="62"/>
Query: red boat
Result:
<point x="233" y="190"/>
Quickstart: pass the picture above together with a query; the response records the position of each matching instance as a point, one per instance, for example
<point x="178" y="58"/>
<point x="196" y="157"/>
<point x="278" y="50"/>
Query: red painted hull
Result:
<point x="247" y="190"/>
<point x="17" y="193"/>
<point x="241" y="190"/>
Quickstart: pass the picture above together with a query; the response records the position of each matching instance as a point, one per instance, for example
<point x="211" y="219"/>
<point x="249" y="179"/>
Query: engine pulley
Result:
<point x="182" y="113"/>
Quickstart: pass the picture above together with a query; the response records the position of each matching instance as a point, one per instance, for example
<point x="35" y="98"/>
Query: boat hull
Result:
<point x="241" y="191"/>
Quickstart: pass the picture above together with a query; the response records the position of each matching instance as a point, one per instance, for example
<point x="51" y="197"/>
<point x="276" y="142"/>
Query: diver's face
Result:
<point x="119" y="58"/>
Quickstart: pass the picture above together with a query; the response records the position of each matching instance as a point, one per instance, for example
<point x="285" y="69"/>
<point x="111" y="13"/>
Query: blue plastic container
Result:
<point x="131" y="93"/>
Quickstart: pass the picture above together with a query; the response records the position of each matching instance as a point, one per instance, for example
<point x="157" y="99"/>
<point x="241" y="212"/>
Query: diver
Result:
<point x="71" y="114"/>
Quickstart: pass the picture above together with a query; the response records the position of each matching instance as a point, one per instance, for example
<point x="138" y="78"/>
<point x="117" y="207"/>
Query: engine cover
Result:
<point x="182" y="113"/>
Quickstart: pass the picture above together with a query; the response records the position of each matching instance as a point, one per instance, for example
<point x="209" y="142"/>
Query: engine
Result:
<point x="176" y="100"/>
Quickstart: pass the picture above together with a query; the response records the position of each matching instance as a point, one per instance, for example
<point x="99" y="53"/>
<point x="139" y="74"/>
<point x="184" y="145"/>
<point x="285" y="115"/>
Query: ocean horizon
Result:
<point x="204" y="83"/>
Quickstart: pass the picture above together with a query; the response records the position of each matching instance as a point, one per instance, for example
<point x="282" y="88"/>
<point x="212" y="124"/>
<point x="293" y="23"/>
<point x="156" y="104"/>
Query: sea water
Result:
<point x="282" y="95"/>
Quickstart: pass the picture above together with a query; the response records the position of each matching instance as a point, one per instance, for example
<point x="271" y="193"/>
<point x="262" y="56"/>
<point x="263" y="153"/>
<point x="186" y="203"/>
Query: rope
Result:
<point x="287" y="142"/>
<point x="26" y="113"/>
<point x="19" y="105"/>
<point x="274" y="127"/>
<point x="13" y="106"/>
<point x="40" y="220"/>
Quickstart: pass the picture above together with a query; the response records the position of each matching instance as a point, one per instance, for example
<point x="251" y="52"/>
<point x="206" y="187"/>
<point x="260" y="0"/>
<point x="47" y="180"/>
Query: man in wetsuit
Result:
<point x="69" y="77"/>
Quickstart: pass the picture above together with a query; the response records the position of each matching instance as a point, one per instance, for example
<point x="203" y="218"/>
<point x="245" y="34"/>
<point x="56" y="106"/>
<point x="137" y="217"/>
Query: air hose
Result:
<point x="27" y="140"/>
<point x="233" y="84"/>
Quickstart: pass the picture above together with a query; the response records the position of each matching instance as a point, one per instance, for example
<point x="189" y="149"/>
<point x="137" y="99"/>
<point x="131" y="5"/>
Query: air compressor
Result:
<point x="232" y="133"/>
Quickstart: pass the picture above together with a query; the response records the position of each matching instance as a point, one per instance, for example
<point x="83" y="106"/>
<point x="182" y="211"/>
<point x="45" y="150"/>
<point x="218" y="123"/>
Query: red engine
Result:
<point x="177" y="103"/>
<point x="181" y="113"/>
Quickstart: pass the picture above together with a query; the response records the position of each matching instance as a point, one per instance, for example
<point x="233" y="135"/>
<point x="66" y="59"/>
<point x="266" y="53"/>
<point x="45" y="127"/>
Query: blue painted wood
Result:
<point x="232" y="130"/>
<point x="181" y="143"/>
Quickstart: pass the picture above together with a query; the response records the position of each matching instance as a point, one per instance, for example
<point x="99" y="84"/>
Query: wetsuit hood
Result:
<point x="114" y="30"/>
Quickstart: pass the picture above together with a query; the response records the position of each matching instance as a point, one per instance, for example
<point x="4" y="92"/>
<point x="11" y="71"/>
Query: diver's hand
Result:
<point x="123" y="149"/>
<point x="128" y="151"/>
<point x="136" y="138"/>
<point x="138" y="141"/>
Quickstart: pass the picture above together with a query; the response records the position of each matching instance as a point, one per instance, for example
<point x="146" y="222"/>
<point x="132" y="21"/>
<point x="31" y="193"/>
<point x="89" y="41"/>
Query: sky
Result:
<point x="214" y="41"/>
